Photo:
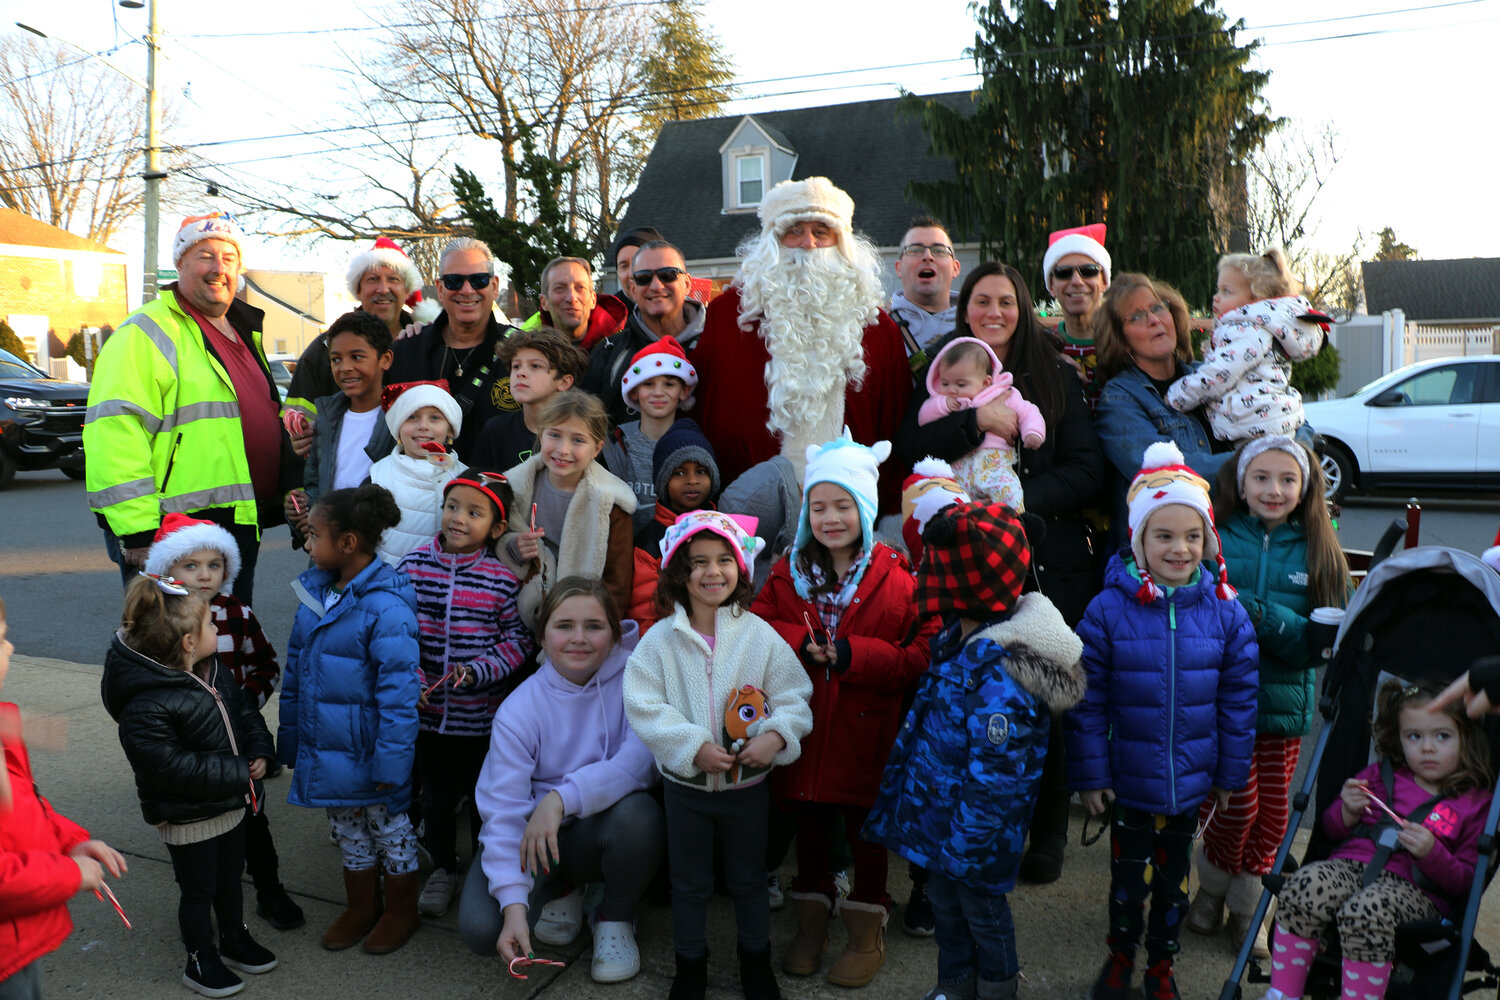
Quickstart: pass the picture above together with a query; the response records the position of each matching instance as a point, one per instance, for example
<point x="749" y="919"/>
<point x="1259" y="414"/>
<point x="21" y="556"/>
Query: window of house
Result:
<point x="750" y="179"/>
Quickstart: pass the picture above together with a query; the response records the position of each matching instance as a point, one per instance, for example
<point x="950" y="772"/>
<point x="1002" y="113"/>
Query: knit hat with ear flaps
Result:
<point x="977" y="558"/>
<point x="180" y="535"/>
<point x="736" y="529"/>
<point x="854" y="468"/>
<point x="1166" y="479"/>
<point x="661" y="357"/>
<point x="1086" y="240"/>
<point x="930" y="487"/>
<point x="814" y="199"/>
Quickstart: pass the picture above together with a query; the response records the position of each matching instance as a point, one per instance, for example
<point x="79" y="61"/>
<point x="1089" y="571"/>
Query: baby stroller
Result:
<point x="1426" y="612"/>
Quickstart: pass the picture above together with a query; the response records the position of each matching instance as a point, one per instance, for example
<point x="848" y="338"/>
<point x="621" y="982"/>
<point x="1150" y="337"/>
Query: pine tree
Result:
<point x="688" y="75"/>
<point x="1136" y="113"/>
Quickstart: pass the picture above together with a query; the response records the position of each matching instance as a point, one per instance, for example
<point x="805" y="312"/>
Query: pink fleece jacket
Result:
<point x="1033" y="428"/>
<point x="552" y="734"/>
<point x="1455" y="824"/>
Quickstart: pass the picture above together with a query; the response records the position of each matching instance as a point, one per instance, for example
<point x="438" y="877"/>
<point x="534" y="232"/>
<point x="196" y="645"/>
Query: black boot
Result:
<point x="756" y="978"/>
<point x="691" y="981"/>
<point x="238" y="950"/>
<point x="1043" y="861"/>
<point x="277" y="908"/>
<point x="206" y="974"/>
<point x="916" y="916"/>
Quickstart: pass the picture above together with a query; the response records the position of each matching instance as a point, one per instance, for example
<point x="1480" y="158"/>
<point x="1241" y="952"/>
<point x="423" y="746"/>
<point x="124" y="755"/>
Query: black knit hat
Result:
<point x="683" y="442"/>
<point x="637" y="237"/>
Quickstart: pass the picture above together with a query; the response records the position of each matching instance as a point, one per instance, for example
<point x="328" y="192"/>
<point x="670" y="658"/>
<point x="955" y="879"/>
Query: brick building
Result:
<point x="53" y="279"/>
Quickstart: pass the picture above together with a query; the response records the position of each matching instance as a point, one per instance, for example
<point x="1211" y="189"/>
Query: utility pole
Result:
<point x="153" y="175"/>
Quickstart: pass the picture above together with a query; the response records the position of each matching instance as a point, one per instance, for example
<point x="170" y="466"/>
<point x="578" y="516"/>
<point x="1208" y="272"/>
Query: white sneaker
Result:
<point x="561" y="919"/>
<point x="616" y="957"/>
<point x="437" y="894"/>
<point x="773" y="891"/>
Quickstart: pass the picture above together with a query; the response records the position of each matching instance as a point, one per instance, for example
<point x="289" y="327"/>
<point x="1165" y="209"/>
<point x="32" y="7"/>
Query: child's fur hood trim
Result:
<point x="1045" y="655"/>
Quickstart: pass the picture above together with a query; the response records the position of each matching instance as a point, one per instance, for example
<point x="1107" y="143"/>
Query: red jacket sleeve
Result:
<point x="36" y="873"/>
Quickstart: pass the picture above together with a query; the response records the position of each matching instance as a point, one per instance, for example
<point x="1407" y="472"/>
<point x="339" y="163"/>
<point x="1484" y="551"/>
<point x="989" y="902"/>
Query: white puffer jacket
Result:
<point x="417" y="484"/>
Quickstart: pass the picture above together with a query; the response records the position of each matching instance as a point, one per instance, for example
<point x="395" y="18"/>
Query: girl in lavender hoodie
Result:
<point x="563" y="796"/>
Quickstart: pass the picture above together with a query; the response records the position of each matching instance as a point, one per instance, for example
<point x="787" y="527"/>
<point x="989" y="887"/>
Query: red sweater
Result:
<point x="733" y="404"/>
<point x="37" y="878"/>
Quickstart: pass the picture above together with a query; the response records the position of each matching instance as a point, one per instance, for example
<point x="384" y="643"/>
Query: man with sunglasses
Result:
<point x="925" y="307"/>
<point x="459" y="346"/>
<point x="662" y="309"/>
<point x="1075" y="270"/>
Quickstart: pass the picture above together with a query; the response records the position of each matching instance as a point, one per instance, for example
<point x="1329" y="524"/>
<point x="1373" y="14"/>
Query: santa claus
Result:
<point x="804" y="312"/>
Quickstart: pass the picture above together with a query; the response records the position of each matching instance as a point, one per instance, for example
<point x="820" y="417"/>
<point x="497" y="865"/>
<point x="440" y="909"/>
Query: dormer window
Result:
<point x="749" y="178"/>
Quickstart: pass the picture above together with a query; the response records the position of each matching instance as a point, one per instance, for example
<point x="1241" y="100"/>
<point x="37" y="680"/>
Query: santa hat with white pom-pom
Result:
<point x="1491" y="555"/>
<point x="1165" y="478"/>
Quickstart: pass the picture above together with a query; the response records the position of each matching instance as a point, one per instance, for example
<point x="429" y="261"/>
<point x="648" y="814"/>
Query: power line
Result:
<point x="423" y="24"/>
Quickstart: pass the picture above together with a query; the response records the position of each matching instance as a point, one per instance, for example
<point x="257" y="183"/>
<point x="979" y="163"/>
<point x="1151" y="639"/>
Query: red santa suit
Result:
<point x="733" y="404"/>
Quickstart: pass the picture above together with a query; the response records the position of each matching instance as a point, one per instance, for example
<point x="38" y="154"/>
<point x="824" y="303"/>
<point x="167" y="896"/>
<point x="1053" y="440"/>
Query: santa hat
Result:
<point x="977" y="558"/>
<point x="180" y="536"/>
<point x="1491" y="555"/>
<point x="386" y="253"/>
<point x="931" y="487"/>
<point x="683" y="442"/>
<point x="1166" y="479"/>
<point x="1087" y="240"/>
<point x="854" y="468"/>
<point x="662" y="357"/>
<point x="405" y="398"/>
<point x="736" y="529"/>
<point x="213" y="226"/>
<point x="814" y="199"/>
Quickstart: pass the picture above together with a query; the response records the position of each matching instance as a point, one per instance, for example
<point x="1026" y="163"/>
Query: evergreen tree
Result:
<point x="525" y="246"/>
<point x="688" y="75"/>
<point x="1393" y="249"/>
<point x="1136" y="113"/>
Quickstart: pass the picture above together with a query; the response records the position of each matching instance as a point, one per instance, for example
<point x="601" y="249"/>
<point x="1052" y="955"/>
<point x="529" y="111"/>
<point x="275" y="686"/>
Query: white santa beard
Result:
<point x="812" y="316"/>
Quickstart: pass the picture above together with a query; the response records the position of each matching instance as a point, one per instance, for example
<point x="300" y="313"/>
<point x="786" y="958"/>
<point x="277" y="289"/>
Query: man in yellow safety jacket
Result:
<point x="183" y="415"/>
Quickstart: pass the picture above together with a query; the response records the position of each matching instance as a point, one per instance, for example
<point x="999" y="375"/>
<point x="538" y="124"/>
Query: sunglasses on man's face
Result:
<point x="478" y="282"/>
<point x="666" y="274"/>
<point x="1065" y="272"/>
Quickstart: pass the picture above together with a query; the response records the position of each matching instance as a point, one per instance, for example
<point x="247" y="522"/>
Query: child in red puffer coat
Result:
<point x="45" y="858"/>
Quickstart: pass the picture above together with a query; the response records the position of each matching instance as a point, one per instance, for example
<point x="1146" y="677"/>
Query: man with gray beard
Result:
<point x="805" y="310"/>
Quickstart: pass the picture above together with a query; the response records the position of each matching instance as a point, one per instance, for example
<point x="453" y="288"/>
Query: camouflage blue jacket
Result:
<point x="958" y="790"/>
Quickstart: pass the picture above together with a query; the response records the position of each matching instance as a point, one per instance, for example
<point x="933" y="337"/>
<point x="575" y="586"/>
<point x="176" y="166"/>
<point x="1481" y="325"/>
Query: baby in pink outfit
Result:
<point x="967" y="374"/>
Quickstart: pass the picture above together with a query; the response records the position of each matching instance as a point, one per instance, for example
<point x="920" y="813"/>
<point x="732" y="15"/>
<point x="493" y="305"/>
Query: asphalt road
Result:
<point x="63" y="593"/>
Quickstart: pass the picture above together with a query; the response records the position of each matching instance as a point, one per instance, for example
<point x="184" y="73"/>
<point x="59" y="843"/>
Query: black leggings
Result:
<point x="208" y="874"/>
<point x="739" y="818"/>
<point x="450" y="767"/>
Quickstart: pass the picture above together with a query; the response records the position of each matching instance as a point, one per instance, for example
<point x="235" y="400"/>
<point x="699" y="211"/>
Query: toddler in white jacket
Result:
<point x="718" y="698"/>
<point x="424" y="419"/>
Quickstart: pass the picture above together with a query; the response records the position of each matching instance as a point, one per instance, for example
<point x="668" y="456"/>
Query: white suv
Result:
<point x="1434" y="424"/>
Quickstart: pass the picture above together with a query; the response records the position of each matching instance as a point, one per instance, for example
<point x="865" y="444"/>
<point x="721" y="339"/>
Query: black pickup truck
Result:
<point x="41" y="420"/>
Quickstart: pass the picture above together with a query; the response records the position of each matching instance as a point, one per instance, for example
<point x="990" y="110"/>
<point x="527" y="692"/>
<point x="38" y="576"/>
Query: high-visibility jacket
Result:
<point x="162" y="433"/>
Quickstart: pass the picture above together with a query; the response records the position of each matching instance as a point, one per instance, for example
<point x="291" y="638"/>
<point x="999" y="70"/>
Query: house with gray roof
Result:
<point x="868" y="148"/>
<point x="1435" y="291"/>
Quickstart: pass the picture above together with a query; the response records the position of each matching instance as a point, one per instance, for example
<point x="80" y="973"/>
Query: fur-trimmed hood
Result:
<point x="1045" y="655"/>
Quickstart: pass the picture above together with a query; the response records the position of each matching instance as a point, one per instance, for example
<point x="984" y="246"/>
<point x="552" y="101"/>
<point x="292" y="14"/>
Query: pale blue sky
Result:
<point x="1407" y="91"/>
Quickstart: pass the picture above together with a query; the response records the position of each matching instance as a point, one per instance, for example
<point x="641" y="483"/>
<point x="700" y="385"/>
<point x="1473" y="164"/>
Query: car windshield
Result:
<point x="13" y="367"/>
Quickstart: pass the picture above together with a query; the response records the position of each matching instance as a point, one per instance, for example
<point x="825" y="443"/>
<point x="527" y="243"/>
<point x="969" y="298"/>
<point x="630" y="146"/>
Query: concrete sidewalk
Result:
<point x="1060" y="928"/>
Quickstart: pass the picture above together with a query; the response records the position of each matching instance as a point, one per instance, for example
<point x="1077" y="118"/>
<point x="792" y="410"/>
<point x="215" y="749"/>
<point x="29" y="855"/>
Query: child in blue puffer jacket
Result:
<point x="958" y="791"/>
<point x="1169" y="715"/>
<point x="349" y="711"/>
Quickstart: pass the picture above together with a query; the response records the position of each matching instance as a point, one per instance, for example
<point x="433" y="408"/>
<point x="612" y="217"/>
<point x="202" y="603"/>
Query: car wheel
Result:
<point x="1338" y="471"/>
<point x="74" y="472"/>
<point x="7" y="470"/>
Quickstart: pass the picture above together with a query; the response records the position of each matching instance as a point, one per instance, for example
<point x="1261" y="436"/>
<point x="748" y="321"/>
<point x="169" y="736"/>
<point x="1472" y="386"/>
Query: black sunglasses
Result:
<point x="1065" y="272"/>
<point x="479" y="282"/>
<point x="666" y="274"/>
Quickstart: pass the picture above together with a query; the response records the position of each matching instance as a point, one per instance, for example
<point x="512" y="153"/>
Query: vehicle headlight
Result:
<point x="20" y="402"/>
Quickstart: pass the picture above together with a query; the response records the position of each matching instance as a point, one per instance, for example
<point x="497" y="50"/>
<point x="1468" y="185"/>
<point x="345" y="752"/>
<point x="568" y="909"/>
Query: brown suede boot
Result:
<point x="805" y="954"/>
<point x="362" y="890"/>
<point x="865" y="953"/>
<point x="401" y="918"/>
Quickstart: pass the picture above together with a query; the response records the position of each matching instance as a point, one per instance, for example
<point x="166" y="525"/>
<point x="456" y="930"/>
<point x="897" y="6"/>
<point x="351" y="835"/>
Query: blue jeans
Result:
<point x="975" y="932"/>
